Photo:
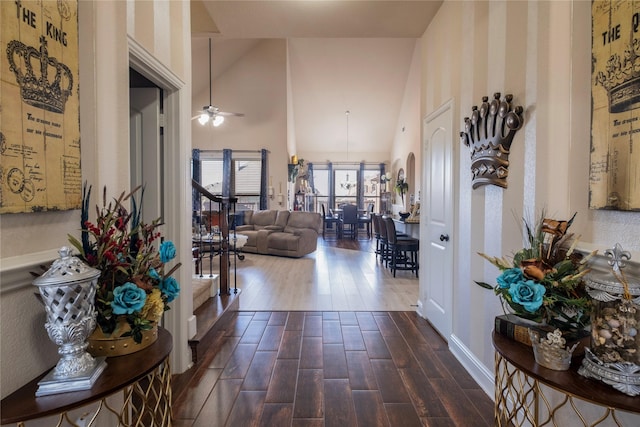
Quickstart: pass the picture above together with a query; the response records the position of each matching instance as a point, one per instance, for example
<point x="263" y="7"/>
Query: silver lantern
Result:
<point x="614" y="355"/>
<point x="68" y="291"/>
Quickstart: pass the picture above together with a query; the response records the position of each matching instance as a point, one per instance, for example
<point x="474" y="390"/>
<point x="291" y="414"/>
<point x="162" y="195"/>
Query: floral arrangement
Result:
<point x="133" y="286"/>
<point x="543" y="282"/>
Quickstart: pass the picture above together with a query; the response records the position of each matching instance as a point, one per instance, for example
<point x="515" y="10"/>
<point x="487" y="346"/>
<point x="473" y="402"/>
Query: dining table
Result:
<point x="338" y="212"/>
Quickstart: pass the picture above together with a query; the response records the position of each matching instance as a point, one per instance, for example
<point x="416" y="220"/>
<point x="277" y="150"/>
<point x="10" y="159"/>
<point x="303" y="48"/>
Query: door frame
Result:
<point x="426" y="158"/>
<point x="177" y="197"/>
<point x="146" y="149"/>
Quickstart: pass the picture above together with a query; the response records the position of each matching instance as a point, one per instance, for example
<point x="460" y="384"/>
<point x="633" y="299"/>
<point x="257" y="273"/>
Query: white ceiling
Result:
<point x="344" y="55"/>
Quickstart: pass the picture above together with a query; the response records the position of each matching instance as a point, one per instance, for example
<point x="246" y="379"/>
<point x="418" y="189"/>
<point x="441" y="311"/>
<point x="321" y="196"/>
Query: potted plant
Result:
<point x="543" y="281"/>
<point x="135" y="285"/>
<point x="402" y="187"/>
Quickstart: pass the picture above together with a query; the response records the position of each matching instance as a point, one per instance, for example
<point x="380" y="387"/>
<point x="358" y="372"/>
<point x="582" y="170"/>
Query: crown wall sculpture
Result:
<point x="489" y="133"/>
<point x="44" y="82"/>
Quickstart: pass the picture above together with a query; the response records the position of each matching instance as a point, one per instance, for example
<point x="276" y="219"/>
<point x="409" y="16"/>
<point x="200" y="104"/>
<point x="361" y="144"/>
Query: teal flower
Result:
<point x="154" y="274"/>
<point x="128" y="299"/>
<point x="170" y="288"/>
<point x="509" y="277"/>
<point x="167" y="251"/>
<point x="528" y="294"/>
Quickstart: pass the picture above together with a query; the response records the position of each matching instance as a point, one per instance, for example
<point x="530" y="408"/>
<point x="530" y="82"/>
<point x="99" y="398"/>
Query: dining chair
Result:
<point x="329" y="222"/>
<point x="349" y="221"/>
<point x="365" y="219"/>
<point x="402" y="251"/>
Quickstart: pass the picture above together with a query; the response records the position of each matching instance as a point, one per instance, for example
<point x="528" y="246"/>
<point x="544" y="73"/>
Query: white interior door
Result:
<point x="436" y="217"/>
<point x="146" y="148"/>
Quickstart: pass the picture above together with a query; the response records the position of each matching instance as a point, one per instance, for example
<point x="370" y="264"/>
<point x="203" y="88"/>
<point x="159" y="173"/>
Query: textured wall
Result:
<point x="33" y="238"/>
<point x="540" y="53"/>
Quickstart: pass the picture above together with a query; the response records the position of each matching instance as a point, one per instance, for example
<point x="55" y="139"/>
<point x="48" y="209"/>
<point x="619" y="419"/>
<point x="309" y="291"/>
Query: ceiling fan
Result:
<point x="210" y="113"/>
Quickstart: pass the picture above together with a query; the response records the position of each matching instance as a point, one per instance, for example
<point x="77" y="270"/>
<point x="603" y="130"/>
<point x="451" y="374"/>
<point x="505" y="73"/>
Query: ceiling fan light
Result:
<point x="218" y="120"/>
<point x="203" y="119"/>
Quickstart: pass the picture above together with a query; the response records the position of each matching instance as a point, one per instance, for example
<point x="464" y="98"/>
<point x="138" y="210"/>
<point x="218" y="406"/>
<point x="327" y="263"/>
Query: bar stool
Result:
<point x="375" y="218"/>
<point x="383" y="249"/>
<point x="402" y="252"/>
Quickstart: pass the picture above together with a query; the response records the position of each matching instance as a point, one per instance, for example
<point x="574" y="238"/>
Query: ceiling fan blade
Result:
<point x="227" y="114"/>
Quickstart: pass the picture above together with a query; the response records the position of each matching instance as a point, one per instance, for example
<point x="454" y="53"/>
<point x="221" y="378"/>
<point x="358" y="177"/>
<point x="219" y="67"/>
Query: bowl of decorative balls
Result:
<point x="404" y="215"/>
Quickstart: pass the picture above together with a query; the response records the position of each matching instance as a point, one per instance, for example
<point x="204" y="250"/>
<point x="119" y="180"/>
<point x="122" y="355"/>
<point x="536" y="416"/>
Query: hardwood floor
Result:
<point x="331" y="278"/>
<point x="279" y="368"/>
<point x="307" y="348"/>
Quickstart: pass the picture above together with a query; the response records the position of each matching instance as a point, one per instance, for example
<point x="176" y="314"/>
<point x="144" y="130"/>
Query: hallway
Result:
<point x="330" y="339"/>
<point x="328" y="369"/>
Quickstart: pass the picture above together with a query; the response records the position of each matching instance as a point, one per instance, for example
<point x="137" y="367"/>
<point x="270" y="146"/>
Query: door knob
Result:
<point x="444" y="237"/>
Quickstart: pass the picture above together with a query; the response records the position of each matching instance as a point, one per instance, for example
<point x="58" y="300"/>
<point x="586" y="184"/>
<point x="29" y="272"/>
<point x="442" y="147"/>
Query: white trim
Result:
<point x="480" y="373"/>
<point x="140" y="59"/>
<point x="177" y="195"/>
<point x="15" y="271"/>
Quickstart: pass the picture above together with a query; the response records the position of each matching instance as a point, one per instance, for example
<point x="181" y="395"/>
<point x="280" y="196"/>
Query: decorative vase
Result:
<point x="614" y="356"/>
<point x="114" y="344"/>
<point x="551" y="352"/>
<point x="68" y="291"/>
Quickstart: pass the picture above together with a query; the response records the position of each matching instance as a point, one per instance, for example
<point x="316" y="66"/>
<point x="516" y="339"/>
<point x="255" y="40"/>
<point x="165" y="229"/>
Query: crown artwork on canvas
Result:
<point x="44" y="81"/>
<point x="489" y="133"/>
<point x="621" y="79"/>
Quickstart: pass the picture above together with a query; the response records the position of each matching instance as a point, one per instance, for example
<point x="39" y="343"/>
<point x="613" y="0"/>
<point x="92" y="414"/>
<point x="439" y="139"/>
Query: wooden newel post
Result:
<point x="224" y="247"/>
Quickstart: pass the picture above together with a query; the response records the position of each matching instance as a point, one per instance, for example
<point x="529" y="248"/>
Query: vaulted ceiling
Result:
<point x="344" y="55"/>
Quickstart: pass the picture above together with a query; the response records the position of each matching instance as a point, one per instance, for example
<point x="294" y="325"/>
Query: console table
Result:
<point x="143" y="378"/>
<point x="521" y="398"/>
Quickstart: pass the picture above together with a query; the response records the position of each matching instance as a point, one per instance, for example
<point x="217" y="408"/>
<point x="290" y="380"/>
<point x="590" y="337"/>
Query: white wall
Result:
<point x="256" y="85"/>
<point x="539" y="51"/>
<point x="28" y="240"/>
<point x="408" y="136"/>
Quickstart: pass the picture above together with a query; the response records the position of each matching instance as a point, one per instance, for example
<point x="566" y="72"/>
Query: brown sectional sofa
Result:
<point x="271" y="232"/>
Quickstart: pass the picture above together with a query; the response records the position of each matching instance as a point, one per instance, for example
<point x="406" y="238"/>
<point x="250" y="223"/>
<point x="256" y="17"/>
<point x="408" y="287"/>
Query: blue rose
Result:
<point x="154" y="274"/>
<point x="170" y="288"/>
<point x="167" y="251"/>
<point x="128" y="299"/>
<point x="509" y="277"/>
<point x="528" y="294"/>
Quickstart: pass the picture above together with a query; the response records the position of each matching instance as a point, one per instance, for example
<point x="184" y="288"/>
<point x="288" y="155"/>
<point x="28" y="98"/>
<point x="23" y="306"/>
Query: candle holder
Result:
<point x="68" y="290"/>
<point x="614" y="356"/>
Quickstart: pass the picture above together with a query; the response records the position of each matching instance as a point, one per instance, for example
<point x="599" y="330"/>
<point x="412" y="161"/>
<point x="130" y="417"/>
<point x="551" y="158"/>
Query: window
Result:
<point x="371" y="190"/>
<point x="321" y="189"/>
<point x="212" y="176"/>
<point x="346" y="186"/>
<point x="246" y="183"/>
<point x="334" y="187"/>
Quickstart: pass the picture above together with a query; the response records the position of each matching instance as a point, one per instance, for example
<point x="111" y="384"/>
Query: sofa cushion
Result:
<point x="312" y="220"/>
<point x="283" y="241"/>
<point x="282" y="218"/>
<point x="247" y="217"/>
<point x="260" y="219"/>
<point x="252" y="236"/>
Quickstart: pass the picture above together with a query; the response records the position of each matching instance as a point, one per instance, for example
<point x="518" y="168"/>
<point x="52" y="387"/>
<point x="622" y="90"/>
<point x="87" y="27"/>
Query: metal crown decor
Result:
<point x="489" y="133"/>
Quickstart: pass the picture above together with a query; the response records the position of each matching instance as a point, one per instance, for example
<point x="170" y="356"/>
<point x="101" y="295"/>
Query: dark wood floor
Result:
<point x="362" y="243"/>
<point x="328" y="369"/>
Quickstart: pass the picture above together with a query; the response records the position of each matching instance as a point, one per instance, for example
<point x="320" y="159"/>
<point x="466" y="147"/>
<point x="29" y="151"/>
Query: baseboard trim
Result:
<point x="483" y="376"/>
